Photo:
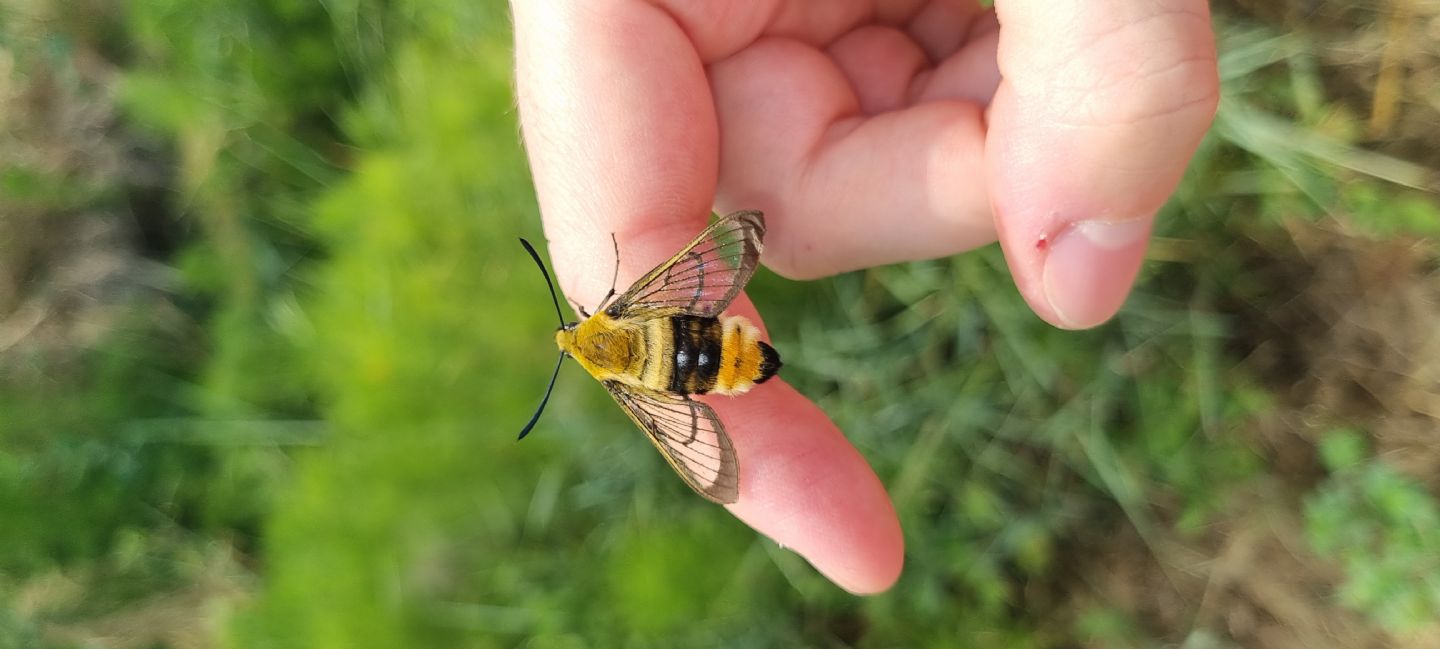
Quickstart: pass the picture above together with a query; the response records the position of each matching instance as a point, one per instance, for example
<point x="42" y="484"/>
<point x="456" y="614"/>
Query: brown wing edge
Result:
<point x="727" y="486"/>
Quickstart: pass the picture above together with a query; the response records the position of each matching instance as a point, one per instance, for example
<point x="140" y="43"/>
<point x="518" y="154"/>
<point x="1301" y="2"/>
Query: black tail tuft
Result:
<point x="769" y="362"/>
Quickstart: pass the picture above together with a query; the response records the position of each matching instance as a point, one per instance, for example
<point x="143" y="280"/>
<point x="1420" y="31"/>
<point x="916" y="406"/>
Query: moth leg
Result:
<point x="580" y="309"/>
<point x="614" y="276"/>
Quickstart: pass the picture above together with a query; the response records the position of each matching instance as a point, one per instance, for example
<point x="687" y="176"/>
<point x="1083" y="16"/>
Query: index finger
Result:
<point x="621" y="132"/>
<point x="619" y="128"/>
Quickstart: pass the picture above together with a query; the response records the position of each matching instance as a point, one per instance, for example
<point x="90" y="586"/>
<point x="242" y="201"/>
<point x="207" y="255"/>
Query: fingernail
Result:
<point x="1091" y="267"/>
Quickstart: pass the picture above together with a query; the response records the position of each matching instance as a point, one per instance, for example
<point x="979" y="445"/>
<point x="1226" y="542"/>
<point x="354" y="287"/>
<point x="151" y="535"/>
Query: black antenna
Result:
<point x="553" y="298"/>
<point x="536" y="256"/>
<point x="536" y="417"/>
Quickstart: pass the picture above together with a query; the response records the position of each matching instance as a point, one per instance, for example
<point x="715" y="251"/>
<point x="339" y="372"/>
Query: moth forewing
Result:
<point x="706" y="275"/>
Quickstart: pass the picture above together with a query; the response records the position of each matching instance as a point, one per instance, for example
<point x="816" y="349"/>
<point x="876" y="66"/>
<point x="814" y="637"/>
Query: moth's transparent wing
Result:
<point x="704" y="276"/>
<point x="690" y="437"/>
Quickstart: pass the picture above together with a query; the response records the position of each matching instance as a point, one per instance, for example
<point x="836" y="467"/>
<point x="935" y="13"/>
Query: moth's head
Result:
<point x="565" y="336"/>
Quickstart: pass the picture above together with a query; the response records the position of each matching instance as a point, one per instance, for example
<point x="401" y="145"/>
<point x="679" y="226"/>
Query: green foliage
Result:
<point x="72" y="478"/>
<point x="1383" y="528"/>
<point x="245" y="94"/>
<point x="1306" y="158"/>
<point x="19" y="633"/>
<point x="1000" y="436"/>
<point x="104" y="488"/>
<point x="1110" y="628"/>
<point x="116" y="447"/>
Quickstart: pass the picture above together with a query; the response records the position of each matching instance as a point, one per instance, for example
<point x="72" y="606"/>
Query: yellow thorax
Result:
<point x="605" y="347"/>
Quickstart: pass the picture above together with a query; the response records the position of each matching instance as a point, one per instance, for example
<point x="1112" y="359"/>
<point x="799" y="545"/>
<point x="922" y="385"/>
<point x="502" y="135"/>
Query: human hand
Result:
<point x="869" y="132"/>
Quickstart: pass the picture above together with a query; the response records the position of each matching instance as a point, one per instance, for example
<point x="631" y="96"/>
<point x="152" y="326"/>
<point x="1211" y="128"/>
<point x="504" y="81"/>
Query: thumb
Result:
<point x="1100" y="108"/>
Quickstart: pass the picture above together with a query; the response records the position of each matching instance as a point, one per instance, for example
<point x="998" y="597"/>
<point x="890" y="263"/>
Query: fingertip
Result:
<point x="878" y="574"/>
<point x="803" y="485"/>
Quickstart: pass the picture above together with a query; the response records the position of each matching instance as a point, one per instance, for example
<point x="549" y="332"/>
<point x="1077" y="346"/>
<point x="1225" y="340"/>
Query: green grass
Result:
<point x="365" y="337"/>
<point x="1385" y="529"/>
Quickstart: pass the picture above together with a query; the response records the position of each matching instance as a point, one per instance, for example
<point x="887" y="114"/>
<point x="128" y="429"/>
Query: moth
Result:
<point x="664" y="340"/>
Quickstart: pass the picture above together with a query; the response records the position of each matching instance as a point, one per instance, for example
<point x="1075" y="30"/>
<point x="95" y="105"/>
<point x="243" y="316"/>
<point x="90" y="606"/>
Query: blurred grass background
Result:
<point x="266" y="338"/>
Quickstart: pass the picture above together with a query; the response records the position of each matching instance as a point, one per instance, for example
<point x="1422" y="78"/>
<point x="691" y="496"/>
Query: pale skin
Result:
<point x="869" y="132"/>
